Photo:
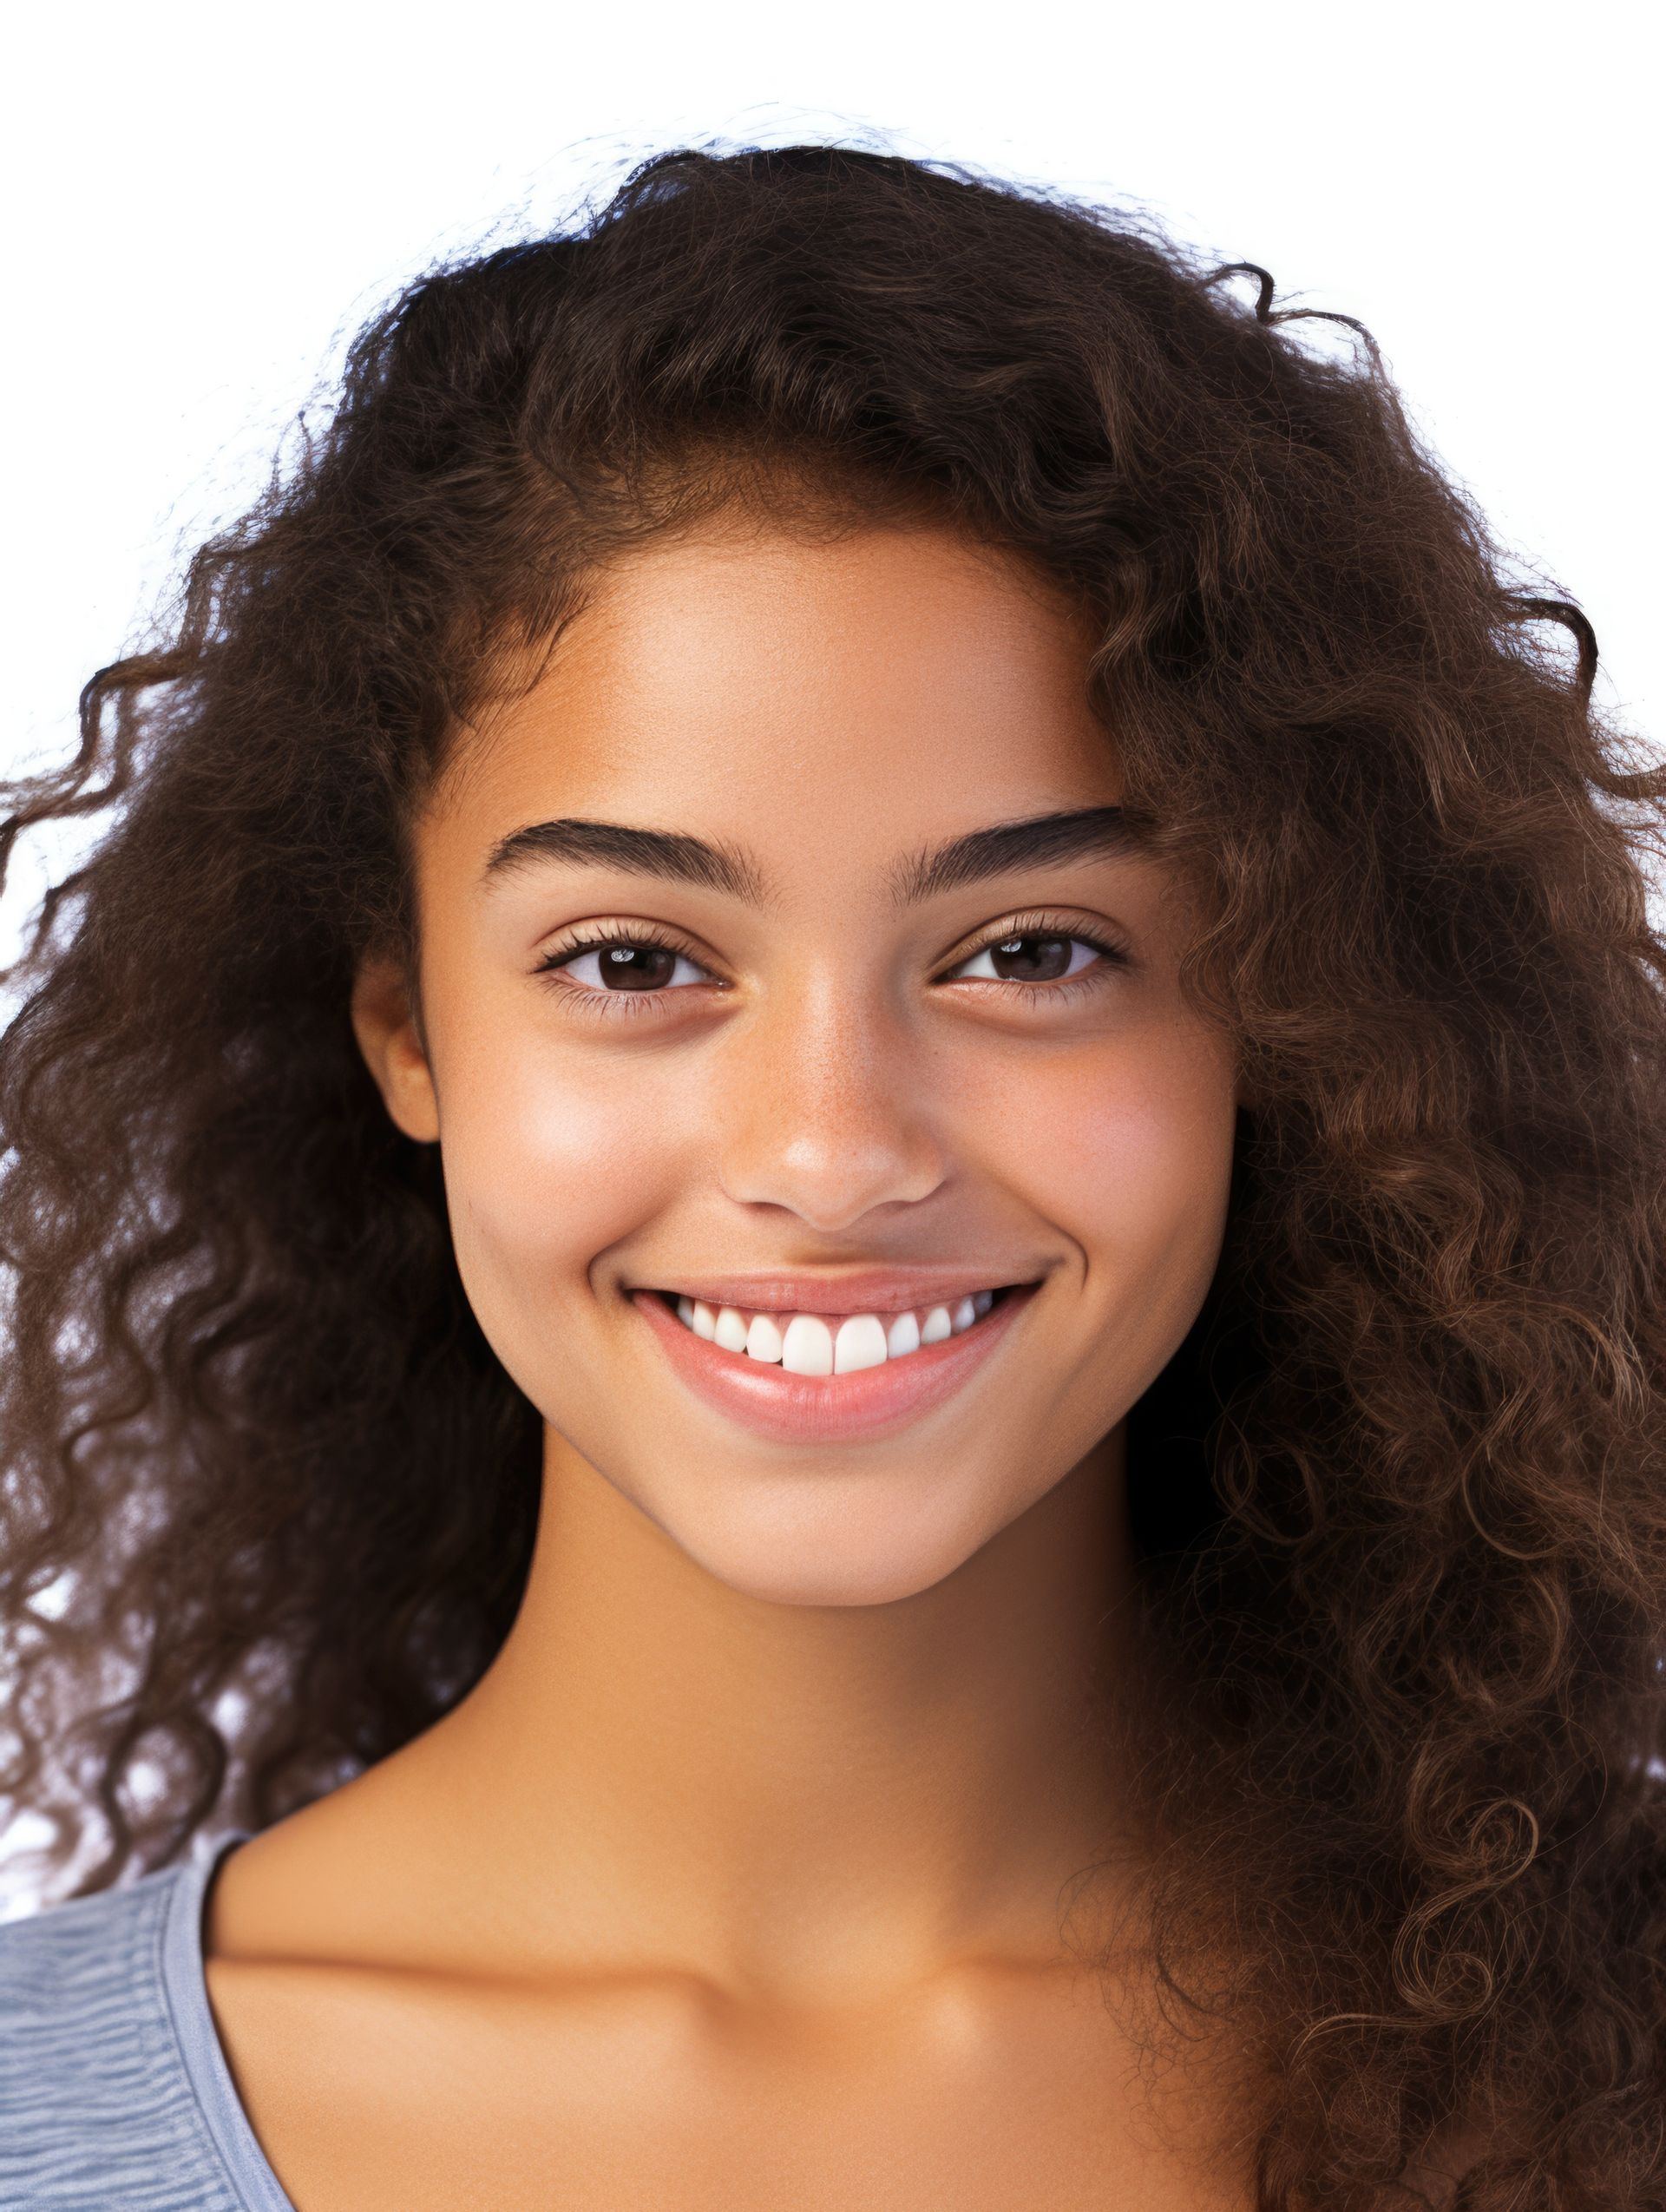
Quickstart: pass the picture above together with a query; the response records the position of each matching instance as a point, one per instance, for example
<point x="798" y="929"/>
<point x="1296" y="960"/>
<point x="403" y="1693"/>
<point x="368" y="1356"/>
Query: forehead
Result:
<point x="812" y="697"/>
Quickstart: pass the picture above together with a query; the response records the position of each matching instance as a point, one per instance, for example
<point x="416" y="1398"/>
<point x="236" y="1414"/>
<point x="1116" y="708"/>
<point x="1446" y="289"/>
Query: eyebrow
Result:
<point x="1040" y="840"/>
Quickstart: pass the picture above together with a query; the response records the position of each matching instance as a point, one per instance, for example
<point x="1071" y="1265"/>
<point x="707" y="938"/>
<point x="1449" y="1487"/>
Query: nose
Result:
<point x="828" y="1111"/>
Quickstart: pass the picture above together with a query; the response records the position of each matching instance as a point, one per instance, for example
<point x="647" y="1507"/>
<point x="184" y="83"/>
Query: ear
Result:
<point x="390" y="1036"/>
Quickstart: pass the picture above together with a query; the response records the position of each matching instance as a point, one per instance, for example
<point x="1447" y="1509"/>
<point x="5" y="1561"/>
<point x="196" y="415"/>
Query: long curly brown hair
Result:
<point x="269" y="1498"/>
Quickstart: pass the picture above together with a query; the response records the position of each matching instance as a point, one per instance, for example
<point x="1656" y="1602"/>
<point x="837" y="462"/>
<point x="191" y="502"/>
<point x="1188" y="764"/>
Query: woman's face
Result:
<point x="743" y="982"/>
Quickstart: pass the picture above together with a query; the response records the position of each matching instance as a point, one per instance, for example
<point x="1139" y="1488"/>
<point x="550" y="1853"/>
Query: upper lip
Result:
<point x="877" y="1289"/>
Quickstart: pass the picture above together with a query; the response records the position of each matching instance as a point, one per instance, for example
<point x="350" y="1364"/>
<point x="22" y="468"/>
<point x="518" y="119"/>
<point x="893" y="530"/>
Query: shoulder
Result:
<point x="96" y="2105"/>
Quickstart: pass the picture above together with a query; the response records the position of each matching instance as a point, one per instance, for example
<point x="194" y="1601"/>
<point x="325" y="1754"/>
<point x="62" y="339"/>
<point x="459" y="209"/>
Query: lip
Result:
<point x="873" y="1402"/>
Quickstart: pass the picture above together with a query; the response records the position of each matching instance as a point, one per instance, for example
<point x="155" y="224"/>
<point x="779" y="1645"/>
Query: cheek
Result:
<point x="550" y="1157"/>
<point x="1126" y="1145"/>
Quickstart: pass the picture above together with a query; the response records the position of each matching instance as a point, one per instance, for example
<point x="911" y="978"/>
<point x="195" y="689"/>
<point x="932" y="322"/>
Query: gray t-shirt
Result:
<point x="115" y="2093"/>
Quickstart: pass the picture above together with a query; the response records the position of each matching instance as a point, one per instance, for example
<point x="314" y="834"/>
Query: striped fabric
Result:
<point x="115" y="2093"/>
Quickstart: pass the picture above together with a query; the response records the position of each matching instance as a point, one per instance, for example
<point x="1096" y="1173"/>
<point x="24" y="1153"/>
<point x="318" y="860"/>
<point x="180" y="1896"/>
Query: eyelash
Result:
<point x="608" y="1004"/>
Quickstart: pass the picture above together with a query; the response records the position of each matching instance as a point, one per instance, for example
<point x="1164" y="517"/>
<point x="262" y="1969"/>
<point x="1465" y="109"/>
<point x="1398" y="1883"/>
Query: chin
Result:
<point x="861" y="1557"/>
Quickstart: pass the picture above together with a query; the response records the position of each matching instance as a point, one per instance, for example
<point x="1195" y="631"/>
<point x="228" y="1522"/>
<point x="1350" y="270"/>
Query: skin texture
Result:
<point x="736" y="1879"/>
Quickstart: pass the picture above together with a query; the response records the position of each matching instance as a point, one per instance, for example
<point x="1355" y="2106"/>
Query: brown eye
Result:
<point x="636" y="967"/>
<point x="1035" y="956"/>
<point x="623" y="964"/>
<point x="1031" y="960"/>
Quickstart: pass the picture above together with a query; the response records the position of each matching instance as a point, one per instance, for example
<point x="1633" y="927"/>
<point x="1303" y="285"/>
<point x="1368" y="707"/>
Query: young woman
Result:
<point x="833" y="1230"/>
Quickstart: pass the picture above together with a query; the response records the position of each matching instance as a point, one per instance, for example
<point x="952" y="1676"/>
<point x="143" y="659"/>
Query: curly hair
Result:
<point x="269" y="1497"/>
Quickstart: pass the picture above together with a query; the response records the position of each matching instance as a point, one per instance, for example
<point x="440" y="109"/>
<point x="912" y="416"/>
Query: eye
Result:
<point x="1034" y="956"/>
<point x="1031" y="958"/>
<point x="622" y="964"/>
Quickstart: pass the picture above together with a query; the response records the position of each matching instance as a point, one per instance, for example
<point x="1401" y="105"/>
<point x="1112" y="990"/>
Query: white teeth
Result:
<point x="804" y="1344"/>
<point x="902" y="1336"/>
<point x="859" y="1342"/>
<point x="807" y="1348"/>
<point x="763" y="1338"/>
<point x="730" y="1331"/>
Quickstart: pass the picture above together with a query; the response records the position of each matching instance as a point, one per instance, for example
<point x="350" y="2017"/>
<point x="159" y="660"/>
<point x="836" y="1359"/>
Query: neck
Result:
<point x="784" y="1793"/>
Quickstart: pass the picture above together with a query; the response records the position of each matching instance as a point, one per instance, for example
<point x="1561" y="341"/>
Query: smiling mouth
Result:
<point x="844" y="1385"/>
<point x="811" y="1343"/>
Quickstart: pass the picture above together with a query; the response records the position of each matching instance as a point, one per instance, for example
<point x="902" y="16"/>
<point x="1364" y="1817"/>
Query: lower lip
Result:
<point x="829" y="1408"/>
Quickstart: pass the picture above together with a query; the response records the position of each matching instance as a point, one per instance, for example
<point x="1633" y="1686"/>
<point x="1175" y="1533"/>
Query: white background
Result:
<point x="204" y="201"/>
